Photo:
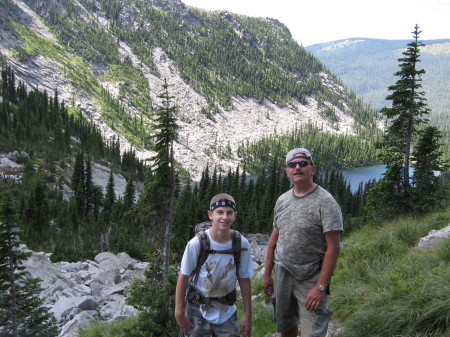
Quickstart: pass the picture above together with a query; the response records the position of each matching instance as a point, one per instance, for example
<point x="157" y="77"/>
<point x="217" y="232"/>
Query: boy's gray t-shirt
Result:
<point x="302" y="222"/>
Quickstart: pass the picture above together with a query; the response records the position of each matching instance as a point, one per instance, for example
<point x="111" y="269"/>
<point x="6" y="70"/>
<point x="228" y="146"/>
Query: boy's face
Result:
<point x="222" y="217"/>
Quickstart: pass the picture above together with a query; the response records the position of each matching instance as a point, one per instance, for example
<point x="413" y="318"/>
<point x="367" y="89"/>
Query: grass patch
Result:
<point x="262" y="310"/>
<point x="385" y="286"/>
<point x="119" y="328"/>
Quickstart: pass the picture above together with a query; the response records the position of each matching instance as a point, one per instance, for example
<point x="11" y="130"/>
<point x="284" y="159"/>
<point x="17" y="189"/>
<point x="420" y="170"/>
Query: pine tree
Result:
<point x="77" y="181"/>
<point x="36" y="213"/>
<point x="406" y="114"/>
<point x="88" y="186"/>
<point x="129" y="197"/>
<point x="159" y="192"/>
<point x="21" y="309"/>
<point x="428" y="157"/>
<point x="110" y="196"/>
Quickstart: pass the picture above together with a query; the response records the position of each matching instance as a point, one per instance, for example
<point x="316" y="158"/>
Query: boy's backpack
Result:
<point x="235" y="250"/>
<point x="195" y="297"/>
<point x="202" y="226"/>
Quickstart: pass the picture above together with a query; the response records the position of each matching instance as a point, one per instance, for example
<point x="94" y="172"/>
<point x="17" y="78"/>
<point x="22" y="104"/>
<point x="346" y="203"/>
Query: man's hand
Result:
<point x="182" y="320"/>
<point x="268" y="285"/>
<point x="314" y="298"/>
<point x="268" y="280"/>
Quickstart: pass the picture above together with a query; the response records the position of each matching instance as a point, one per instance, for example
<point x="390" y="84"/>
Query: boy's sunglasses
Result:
<point x="301" y="163"/>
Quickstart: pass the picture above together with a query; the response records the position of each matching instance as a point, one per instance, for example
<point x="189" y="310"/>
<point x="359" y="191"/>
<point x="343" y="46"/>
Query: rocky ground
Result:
<point x="82" y="292"/>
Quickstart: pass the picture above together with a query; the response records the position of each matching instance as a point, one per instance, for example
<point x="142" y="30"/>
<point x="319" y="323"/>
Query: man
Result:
<point x="209" y="312"/>
<point x="304" y="246"/>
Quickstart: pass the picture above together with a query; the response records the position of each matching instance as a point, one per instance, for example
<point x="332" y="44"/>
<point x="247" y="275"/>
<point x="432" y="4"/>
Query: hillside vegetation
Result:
<point x="65" y="213"/>
<point x="385" y="286"/>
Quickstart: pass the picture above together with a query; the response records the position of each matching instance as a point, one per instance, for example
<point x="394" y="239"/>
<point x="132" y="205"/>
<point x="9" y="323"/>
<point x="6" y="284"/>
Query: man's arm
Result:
<point x="180" y="293"/>
<point x="246" y="289"/>
<point x="315" y="295"/>
<point x="268" y="280"/>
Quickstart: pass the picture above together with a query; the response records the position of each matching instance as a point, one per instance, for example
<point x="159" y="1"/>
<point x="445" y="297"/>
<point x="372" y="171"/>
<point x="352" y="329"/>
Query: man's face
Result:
<point x="298" y="173"/>
<point x="222" y="217"/>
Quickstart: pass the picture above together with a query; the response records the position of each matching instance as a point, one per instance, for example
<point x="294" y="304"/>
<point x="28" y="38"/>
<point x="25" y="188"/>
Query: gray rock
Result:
<point x="434" y="236"/>
<point x="79" y="292"/>
<point x="81" y="320"/>
<point x="20" y="157"/>
<point x="65" y="305"/>
<point x="108" y="261"/>
<point x="40" y="266"/>
<point x="96" y="288"/>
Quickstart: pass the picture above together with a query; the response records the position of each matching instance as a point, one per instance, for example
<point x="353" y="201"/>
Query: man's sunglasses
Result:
<point x="301" y="163"/>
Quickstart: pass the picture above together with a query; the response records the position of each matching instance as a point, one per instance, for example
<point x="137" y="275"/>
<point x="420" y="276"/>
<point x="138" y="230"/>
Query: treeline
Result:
<point x="255" y="198"/>
<point x="41" y="124"/>
<point x="331" y="151"/>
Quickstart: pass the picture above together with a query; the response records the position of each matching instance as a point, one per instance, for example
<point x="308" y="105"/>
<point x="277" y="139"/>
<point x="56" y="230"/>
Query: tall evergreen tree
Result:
<point x="110" y="196"/>
<point x="21" y="309"/>
<point x="77" y="180"/>
<point x="129" y="197"/>
<point x="88" y="186"/>
<point x="37" y="212"/>
<point x="159" y="192"/>
<point x="406" y="114"/>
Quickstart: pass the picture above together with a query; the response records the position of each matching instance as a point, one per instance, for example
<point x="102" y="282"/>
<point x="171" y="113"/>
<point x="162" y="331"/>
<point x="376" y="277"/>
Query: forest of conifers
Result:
<point x="62" y="146"/>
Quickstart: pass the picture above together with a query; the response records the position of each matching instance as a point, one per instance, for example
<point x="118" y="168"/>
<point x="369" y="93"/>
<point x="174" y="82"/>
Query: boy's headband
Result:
<point x="222" y="203"/>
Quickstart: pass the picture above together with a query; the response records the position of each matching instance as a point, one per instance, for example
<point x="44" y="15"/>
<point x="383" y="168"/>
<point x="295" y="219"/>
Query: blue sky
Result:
<point x="318" y="21"/>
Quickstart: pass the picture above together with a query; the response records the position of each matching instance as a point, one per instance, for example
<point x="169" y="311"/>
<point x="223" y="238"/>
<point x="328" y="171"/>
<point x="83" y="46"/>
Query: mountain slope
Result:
<point x="234" y="78"/>
<point x="367" y="66"/>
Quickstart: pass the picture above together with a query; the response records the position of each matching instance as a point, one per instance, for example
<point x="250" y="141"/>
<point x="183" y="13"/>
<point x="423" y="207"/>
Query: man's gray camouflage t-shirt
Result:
<point x="302" y="222"/>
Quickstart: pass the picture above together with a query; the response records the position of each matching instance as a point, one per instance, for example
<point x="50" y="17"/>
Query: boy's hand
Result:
<point x="183" y="321"/>
<point x="246" y="327"/>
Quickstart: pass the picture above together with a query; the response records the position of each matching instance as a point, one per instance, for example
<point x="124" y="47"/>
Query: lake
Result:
<point x="362" y="174"/>
<point x="354" y="176"/>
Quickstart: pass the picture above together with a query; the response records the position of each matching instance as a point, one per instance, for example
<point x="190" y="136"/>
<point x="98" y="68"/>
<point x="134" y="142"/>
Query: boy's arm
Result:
<point x="268" y="280"/>
<point x="180" y="293"/>
<point x="246" y="290"/>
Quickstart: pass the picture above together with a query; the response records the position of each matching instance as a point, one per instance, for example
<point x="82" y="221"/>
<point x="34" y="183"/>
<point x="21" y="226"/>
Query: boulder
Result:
<point x="434" y="236"/>
<point x="80" y="320"/>
<point x="64" y="306"/>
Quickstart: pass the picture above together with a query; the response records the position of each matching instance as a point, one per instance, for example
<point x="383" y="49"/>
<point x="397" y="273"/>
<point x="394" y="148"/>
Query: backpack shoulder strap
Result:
<point x="237" y="249"/>
<point x="204" y="251"/>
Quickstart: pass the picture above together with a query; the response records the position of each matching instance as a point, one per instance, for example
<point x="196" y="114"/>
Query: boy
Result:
<point x="212" y="310"/>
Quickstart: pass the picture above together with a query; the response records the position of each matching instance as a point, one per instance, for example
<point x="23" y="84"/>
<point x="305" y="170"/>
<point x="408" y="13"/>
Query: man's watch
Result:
<point x="321" y="287"/>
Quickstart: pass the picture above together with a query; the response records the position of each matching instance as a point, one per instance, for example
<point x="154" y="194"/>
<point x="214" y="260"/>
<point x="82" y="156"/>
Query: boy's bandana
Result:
<point x="222" y="203"/>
